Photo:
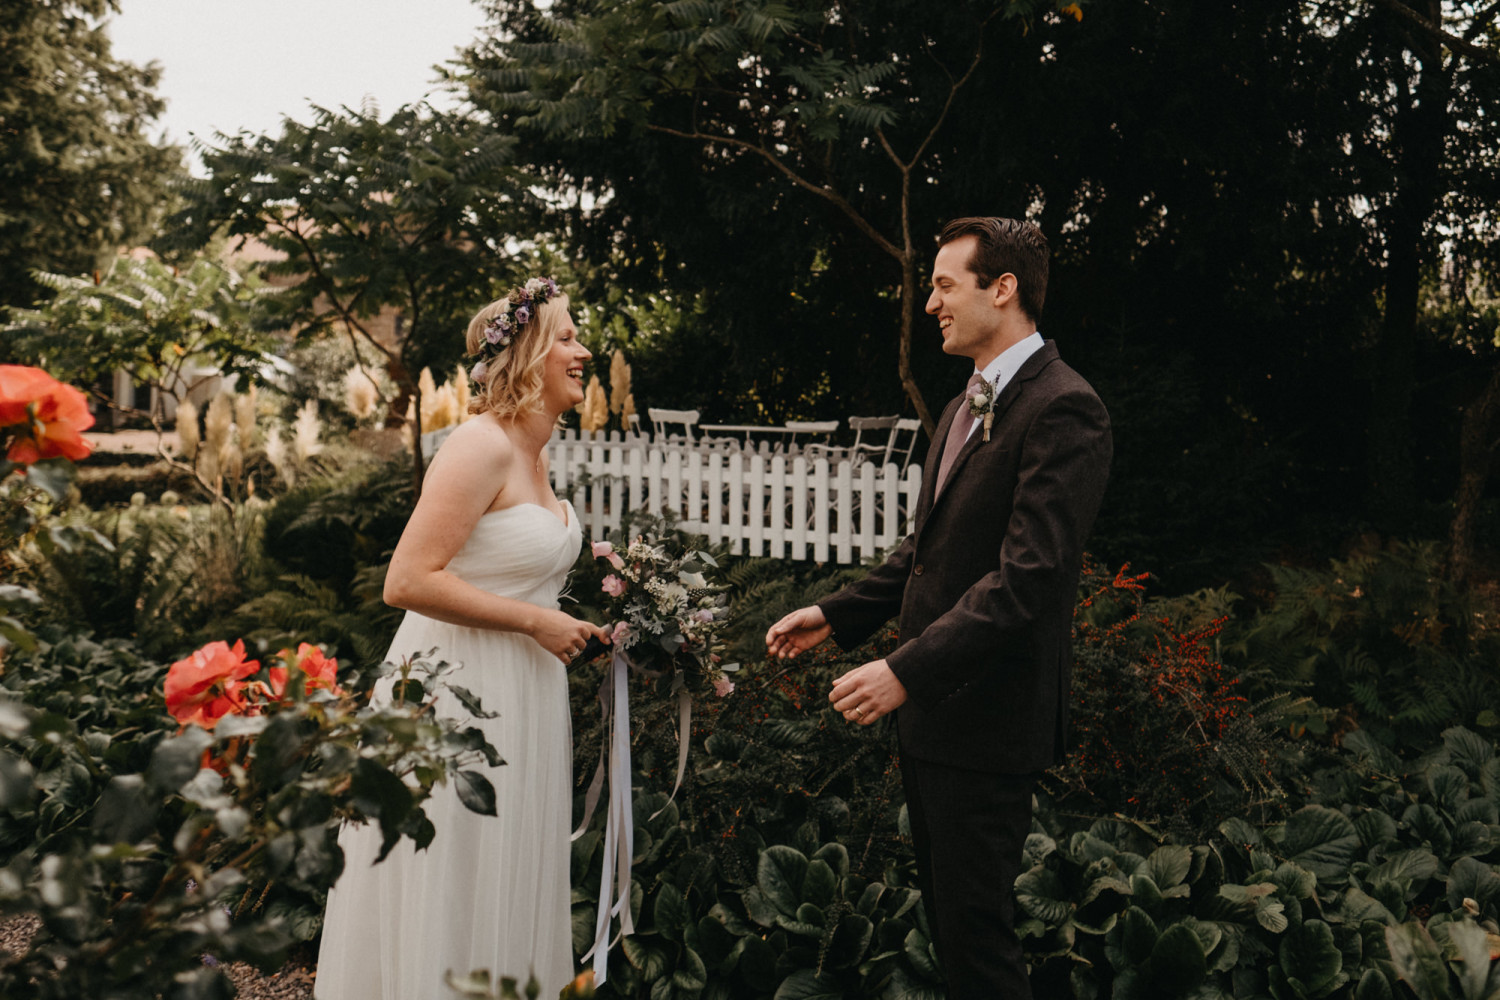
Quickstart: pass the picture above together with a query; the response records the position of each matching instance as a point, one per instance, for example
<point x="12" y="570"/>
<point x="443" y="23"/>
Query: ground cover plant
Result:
<point x="1203" y="840"/>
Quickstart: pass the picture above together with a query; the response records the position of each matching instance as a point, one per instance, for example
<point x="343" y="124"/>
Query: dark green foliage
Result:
<point x="1381" y="637"/>
<point x="130" y="843"/>
<point x="79" y="176"/>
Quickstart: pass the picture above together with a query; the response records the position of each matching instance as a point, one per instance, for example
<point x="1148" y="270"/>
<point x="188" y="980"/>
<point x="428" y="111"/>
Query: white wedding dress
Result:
<point x="490" y="892"/>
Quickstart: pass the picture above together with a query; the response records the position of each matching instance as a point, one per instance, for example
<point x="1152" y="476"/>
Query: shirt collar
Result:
<point x="1003" y="368"/>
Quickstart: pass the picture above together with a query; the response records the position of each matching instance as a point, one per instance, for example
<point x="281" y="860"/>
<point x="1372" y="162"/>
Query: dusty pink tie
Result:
<point x="958" y="434"/>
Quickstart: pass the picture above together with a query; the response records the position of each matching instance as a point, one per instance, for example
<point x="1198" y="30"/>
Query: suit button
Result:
<point x="917" y="569"/>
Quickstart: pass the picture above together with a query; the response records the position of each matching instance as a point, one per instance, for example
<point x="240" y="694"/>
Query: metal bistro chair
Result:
<point x="896" y="430"/>
<point x="662" y="420"/>
<point x="810" y="428"/>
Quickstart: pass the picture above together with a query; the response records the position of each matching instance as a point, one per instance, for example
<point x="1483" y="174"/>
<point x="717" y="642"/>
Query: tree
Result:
<point x="1430" y="72"/>
<point x="410" y="212"/>
<point x="79" y="178"/>
<point x="830" y="102"/>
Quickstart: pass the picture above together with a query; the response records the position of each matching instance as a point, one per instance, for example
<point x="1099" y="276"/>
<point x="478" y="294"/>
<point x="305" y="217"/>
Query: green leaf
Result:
<point x="779" y="874"/>
<point x="1472" y="879"/>
<point x="476" y="792"/>
<point x="670" y="912"/>
<point x="650" y="962"/>
<point x="919" y="953"/>
<point x="820" y="884"/>
<point x="176" y="760"/>
<point x="1169" y="865"/>
<point x="1418" y="961"/>
<point x="1322" y="840"/>
<point x="1177" y="963"/>
<point x="1309" y="955"/>
<point x="126" y="811"/>
<point x="1373" y="986"/>
<point x="15" y="781"/>
<point x="1138" y="936"/>
<point x="851" y="939"/>
<point x="1040" y="893"/>
<point x="690" y="974"/>
<point x="1358" y="906"/>
<point x="53" y="476"/>
<point x="805" y="984"/>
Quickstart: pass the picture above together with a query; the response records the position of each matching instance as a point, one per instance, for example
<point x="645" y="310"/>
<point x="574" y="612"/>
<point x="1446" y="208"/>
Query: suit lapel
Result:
<point x="935" y="457"/>
<point x="1012" y="391"/>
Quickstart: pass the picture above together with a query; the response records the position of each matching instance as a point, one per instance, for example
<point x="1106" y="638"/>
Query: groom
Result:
<point x="985" y="588"/>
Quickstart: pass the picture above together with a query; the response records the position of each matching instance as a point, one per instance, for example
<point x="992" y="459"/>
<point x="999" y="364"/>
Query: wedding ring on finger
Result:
<point x="859" y="711"/>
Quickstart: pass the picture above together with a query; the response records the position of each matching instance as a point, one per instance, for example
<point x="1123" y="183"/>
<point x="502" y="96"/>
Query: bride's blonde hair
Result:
<point x="512" y="380"/>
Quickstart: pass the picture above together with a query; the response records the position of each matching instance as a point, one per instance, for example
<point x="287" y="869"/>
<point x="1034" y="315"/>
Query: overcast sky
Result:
<point x="245" y="64"/>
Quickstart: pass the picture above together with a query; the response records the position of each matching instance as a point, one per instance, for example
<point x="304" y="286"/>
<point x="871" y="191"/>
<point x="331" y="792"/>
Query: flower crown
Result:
<point x="517" y="309"/>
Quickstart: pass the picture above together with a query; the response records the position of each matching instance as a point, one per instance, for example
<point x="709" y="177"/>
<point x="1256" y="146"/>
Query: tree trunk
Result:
<point x="1421" y="129"/>
<point x="1476" y="453"/>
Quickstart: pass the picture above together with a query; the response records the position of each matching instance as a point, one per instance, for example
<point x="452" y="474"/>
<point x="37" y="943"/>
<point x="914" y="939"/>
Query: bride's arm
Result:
<point x="463" y="480"/>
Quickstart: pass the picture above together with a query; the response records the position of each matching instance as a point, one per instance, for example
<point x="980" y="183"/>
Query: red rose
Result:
<point x="208" y="685"/>
<point x="53" y="415"/>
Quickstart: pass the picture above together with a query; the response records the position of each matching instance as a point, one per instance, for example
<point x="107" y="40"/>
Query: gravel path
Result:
<point x="293" y="982"/>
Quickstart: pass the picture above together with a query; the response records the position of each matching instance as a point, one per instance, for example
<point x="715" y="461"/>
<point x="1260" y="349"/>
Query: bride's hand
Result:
<point x="564" y="636"/>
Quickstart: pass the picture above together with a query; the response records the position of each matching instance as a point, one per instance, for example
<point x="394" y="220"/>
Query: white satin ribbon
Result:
<point x="619" y="822"/>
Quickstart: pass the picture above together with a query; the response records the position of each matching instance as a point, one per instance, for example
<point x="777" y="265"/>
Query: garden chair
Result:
<point x="811" y="428"/>
<point x="663" y="420"/>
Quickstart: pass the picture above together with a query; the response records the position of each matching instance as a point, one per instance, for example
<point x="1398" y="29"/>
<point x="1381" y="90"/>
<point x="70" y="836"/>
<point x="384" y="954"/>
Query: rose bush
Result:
<point x="40" y="417"/>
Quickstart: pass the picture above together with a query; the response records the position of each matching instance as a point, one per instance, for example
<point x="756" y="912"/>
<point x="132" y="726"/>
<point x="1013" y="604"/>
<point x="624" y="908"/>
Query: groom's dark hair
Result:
<point x="1006" y="246"/>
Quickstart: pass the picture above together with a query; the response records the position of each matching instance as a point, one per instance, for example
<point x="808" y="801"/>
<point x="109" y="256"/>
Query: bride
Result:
<point x="479" y="569"/>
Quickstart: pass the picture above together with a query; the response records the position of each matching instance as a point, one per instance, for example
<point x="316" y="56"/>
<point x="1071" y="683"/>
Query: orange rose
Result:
<point x="320" y="670"/>
<point x="208" y="685"/>
<point x="53" y="415"/>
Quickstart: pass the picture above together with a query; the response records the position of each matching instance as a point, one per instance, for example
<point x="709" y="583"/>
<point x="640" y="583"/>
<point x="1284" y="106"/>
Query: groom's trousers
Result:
<point x="969" y="829"/>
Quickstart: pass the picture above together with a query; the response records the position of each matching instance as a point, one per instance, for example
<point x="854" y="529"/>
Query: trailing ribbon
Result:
<point x="619" y="822"/>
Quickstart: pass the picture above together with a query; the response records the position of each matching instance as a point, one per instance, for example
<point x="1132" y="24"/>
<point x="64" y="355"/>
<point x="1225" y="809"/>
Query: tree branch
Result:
<point x="827" y="194"/>
<point x="1437" y="32"/>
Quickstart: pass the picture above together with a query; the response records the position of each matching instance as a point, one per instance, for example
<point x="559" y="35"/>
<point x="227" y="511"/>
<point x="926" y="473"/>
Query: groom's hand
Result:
<point x="867" y="693"/>
<point x="797" y="632"/>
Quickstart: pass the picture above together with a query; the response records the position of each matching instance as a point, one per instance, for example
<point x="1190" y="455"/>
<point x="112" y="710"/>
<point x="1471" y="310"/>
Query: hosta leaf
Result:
<point x="1168" y="865"/>
<point x="1471" y="879"/>
<point x="1417" y="960"/>
<point x="1271" y="914"/>
<point x="1467" y="749"/>
<point x="1375" y="828"/>
<point x="1373" y="986"/>
<point x="1450" y="787"/>
<point x="1471" y="839"/>
<point x="1177" y="963"/>
<point x="919" y="954"/>
<point x="820" y="884"/>
<point x="1138" y="936"/>
<point x="851" y="939"/>
<point x="780" y="873"/>
<point x="1412" y="867"/>
<point x="690" y="974"/>
<point x="1309" y="955"/>
<point x="1322" y="840"/>
<point x="805" y="984"/>
<point x="670" y="912"/>
<point x="1041" y="894"/>
<point x="1358" y="906"/>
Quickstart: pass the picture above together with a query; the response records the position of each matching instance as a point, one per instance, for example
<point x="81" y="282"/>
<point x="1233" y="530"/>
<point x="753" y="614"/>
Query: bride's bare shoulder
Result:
<point x="479" y="438"/>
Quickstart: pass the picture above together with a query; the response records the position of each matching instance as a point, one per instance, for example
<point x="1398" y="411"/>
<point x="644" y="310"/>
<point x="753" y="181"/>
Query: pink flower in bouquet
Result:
<point x="723" y="686"/>
<point x="703" y="615"/>
<point x="209" y="684"/>
<point x="606" y="550"/>
<point x="620" y="634"/>
<point x="613" y="585"/>
<point x="53" y="415"/>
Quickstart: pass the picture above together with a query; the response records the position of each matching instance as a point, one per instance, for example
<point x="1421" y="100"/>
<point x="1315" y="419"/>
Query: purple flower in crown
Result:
<point x="479" y="371"/>
<point x="551" y="287"/>
<point x="523" y="315"/>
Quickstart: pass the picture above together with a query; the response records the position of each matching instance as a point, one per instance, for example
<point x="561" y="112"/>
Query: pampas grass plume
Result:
<point x="187" y="429"/>
<point x="306" y="443"/>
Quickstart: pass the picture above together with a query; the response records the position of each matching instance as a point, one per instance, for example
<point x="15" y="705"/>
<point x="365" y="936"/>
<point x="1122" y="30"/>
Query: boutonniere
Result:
<point x="982" y="405"/>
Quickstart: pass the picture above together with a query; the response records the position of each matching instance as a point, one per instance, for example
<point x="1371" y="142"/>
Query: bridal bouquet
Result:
<point x="668" y="618"/>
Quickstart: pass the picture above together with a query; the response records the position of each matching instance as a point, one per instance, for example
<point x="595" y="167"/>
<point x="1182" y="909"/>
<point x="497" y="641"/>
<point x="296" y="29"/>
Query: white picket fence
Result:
<point x="760" y="504"/>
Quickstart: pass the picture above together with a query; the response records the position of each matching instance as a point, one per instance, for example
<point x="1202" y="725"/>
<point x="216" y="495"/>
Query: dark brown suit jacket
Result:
<point x="986" y="585"/>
